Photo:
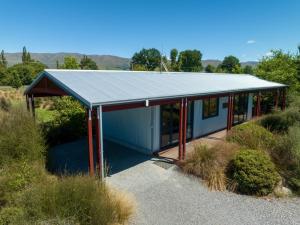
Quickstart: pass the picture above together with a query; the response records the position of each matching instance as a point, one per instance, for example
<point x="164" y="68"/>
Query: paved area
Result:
<point x="210" y="139"/>
<point x="168" y="197"/>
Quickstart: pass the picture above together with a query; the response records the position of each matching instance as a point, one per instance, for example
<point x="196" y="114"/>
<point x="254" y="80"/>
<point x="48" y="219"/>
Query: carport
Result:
<point x="107" y="91"/>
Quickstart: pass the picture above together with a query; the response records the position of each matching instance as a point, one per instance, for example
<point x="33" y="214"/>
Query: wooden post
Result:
<point x="90" y="142"/>
<point x="258" y="104"/>
<point x="276" y="99"/>
<point x="283" y="100"/>
<point x="32" y="106"/>
<point x="27" y="103"/>
<point x="180" y="130"/>
<point x="99" y="138"/>
<point x="184" y="127"/>
<point x="229" y="112"/>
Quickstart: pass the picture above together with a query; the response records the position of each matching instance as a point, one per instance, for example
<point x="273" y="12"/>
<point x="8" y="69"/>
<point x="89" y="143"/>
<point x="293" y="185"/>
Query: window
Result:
<point x="210" y="108"/>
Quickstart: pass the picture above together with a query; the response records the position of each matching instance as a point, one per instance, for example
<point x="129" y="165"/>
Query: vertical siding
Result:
<point x="205" y="126"/>
<point x="134" y="128"/>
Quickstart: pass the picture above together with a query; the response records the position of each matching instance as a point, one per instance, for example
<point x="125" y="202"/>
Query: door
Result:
<point x="240" y="108"/>
<point x="170" y="124"/>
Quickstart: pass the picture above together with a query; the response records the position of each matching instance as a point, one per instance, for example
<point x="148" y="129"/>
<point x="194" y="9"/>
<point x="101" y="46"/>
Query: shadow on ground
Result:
<point x="72" y="158"/>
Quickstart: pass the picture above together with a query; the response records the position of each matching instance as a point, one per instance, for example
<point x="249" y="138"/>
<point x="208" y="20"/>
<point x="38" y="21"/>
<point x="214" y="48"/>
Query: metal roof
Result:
<point x="106" y="87"/>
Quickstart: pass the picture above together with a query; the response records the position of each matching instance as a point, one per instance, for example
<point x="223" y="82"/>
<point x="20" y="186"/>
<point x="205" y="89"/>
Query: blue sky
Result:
<point x="246" y="29"/>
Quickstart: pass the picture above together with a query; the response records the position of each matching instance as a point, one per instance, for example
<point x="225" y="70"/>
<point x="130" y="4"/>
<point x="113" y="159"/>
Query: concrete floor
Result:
<point x="71" y="158"/>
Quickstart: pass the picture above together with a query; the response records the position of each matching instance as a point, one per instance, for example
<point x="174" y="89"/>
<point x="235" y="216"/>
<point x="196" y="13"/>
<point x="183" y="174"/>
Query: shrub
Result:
<point x="68" y="124"/>
<point x="5" y="104"/>
<point x="20" y="137"/>
<point x="81" y="199"/>
<point x="210" y="163"/>
<point x="286" y="154"/>
<point x="254" y="172"/>
<point x="281" y="121"/>
<point x="252" y="136"/>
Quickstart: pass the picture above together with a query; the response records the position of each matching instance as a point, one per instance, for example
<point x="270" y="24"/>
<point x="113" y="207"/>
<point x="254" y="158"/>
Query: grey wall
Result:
<point x="250" y="104"/>
<point x="134" y="128"/>
<point x="205" y="126"/>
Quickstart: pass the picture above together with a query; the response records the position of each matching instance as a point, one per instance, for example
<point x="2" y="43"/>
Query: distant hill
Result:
<point x="216" y="62"/>
<point x="103" y="61"/>
<point x="108" y="62"/>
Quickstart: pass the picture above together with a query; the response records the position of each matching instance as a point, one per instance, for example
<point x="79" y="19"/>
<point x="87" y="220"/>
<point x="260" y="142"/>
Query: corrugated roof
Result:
<point x="98" y="87"/>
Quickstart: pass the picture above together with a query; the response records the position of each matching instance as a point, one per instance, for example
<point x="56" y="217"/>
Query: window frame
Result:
<point x="210" y="115"/>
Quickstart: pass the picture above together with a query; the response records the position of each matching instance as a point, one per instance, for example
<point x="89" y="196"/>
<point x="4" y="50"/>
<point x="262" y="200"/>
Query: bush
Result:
<point x="254" y="172"/>
<point x="81" y="199"/>
<point x="20" y="137"/>
<point x="252" y="136"/>
<point x="281" y="121"/>
<point x="210" y="164"/>
<point x="286" y="154"/>
<point x="69" y="122"/>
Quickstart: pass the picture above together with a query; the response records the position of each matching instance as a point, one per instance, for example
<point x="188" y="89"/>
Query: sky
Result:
<point x="246" y="29"/>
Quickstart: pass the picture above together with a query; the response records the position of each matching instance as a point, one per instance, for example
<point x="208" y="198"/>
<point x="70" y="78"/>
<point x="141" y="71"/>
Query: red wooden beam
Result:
<point x="184" y="128"/>
<point x="229" y="109"/>
<point x="32" y="105"/>
<point x="90" y="142"/>
<point x="283" y="100"/>
<point x="276" y="101"/>
<point x="258" y="102"/>
<point x="180" y="130"/>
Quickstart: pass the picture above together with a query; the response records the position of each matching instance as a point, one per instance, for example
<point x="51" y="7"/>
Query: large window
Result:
<point x="240" y="108"/>
<point x="210" y="108"/>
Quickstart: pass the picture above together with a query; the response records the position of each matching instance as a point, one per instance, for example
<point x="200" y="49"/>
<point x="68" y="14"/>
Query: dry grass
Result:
<point x="210" y="163"/>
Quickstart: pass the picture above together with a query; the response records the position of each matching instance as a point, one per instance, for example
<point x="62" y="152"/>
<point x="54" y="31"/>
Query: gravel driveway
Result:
<point x="167" y="197"/>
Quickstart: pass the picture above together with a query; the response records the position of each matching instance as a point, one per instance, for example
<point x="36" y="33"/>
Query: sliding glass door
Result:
<point x="240" y="108"/>
<point x="170" y="124"/>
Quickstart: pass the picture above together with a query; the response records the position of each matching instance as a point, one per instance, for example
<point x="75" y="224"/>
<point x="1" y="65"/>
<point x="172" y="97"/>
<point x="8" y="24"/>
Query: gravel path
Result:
<point x="168" y="197"/>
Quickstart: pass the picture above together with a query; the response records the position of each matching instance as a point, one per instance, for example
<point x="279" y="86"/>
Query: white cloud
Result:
<point x="269" y="54"/>
<point x="249" y="42"/>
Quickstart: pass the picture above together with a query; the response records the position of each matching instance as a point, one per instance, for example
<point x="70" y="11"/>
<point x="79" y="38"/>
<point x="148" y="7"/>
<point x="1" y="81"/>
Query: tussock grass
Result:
<point x="210" y="163"/>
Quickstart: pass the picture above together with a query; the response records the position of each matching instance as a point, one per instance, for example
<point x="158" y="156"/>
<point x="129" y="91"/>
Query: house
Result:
<point x="151" y="111"/>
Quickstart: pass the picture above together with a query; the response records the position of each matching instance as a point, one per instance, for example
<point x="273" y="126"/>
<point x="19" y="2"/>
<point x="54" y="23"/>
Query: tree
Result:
<point x="149" y="59"/>
<point x="231" y="64"/>
<point x="57" y="64"/>
<point x="248" y="69"/>
<point x="25" y="72"/>
<point x="210" y="69"/>
<point x="26" y="58"/>
<point x="15" y="80"/>
<point x="3" y="61"/>
<point x="87" y="63"/>
<point x="190" y="61"/>
<point x="173" y="57"/>
<point x="279" y="67"/>
<point x="70" y="62"/>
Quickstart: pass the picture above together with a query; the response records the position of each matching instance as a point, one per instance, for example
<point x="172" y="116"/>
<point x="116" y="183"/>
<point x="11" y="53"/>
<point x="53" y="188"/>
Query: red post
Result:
<point x="32" y="105"/>
<point x="180" y="130"/>
<point x="98" y="144"/>
<point x="27" y="103"/>
<point x="90" y="142"/>
<point x="229" y="112"/>
<point x="184" y="127"/>
<point x="258" y="104"/>
<point x="283" y="100"/>
<point x="276" y="99"/>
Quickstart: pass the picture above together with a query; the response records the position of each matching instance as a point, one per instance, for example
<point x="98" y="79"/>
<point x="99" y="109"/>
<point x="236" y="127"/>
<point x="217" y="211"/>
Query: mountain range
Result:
<point x="108" y="62"/>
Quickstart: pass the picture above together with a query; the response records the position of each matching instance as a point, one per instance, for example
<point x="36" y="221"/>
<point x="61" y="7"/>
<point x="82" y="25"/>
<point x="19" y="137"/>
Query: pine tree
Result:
<point x="3" y="61"/>
<point x="26" y="58"/>
<point x="24" y="55"/>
